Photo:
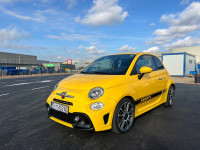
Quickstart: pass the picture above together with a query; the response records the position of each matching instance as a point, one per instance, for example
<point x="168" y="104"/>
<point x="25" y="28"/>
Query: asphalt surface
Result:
<point x="24" y="125"/>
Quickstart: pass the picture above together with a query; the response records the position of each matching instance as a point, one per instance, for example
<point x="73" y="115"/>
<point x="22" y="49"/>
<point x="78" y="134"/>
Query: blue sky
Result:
<point x="85" y="29"/>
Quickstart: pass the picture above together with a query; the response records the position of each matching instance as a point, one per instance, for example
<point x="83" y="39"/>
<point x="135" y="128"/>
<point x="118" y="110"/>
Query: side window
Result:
<point x="144" y="60"/>
<point x="159" y="65"/>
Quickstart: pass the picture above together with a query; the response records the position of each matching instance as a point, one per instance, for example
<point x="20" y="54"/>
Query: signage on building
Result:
<point x="50" y="65"/>
<point x="69" y="61"/>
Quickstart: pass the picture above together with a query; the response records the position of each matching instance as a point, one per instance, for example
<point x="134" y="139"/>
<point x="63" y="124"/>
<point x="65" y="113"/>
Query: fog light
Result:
<point x="77" y="118"/>
<point x="97" y="106"/>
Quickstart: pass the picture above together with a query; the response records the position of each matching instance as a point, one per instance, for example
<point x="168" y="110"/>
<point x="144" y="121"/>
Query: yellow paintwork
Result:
<point x="145" y="70"/>
<point x="115" y="88"/>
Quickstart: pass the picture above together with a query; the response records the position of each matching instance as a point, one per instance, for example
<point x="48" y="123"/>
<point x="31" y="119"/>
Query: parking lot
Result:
<point x="24" y="125"/>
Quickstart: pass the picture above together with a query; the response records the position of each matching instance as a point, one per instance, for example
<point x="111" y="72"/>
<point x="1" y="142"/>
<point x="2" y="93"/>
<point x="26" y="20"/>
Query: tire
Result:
<point x="124" y="116"/>
<point x="170" y="97"/>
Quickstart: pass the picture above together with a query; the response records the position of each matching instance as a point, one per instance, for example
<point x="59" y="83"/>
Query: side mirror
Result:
<point x="143" y="71"/>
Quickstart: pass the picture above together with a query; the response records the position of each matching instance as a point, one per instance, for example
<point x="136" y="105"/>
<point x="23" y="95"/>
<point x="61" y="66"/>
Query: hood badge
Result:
<point x="64" y="94"/>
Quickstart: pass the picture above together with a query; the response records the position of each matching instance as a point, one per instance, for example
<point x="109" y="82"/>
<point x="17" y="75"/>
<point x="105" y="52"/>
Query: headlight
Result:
<point x="97" y="106"/>
<point x="55" y="87"/>
<point x="95" y="93"/>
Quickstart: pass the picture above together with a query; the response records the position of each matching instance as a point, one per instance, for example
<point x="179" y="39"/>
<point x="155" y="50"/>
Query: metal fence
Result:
<point x="26" y="72"/>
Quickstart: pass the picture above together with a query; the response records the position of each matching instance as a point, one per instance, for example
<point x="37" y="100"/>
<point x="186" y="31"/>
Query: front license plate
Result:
<point x="60" y="107"/>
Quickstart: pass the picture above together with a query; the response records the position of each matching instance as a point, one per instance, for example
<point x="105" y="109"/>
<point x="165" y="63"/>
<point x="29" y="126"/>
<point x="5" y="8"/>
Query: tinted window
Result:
<point x="144" y="60"/>
<point x="113" y="64"/>
<point x="159" y="65"/>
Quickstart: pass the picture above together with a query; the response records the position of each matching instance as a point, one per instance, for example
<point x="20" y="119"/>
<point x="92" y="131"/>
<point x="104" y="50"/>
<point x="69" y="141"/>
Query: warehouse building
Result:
<point x="80" y="64"/>
<point x="194" y="50"/>
<point x="17" y="59"/>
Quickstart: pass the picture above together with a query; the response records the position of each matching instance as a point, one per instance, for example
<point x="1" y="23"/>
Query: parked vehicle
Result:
<point x="111" y="92"/>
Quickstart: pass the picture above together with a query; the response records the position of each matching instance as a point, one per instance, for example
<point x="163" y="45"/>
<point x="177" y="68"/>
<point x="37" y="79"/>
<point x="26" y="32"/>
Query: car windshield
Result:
<point x="110" y="65"/>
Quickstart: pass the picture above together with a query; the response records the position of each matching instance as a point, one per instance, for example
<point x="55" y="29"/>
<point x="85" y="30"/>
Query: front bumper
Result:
<point x="97" y="120"/>
<point x="81" y="122"/>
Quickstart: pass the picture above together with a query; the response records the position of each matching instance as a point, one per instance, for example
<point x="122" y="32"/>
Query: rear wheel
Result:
<point x="170" y="97"/>
<point x="124" y="116"/>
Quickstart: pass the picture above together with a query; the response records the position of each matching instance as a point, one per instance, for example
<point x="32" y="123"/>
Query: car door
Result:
<point x="148" y="89"/>
<point x="161" y="72"/>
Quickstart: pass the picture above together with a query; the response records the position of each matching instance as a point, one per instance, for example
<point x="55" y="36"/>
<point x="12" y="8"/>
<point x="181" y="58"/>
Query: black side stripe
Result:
<point x="146" y="98"/>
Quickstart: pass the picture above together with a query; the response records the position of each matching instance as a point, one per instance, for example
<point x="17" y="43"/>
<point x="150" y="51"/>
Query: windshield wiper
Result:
<point x="100" y="72"/>
<point x="95" y="72"/>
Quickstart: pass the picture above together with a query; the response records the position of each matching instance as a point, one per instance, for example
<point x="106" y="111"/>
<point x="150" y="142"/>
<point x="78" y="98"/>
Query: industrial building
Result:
<point x="179" y="64"/>
<point x="17" y="59"/>
<point x="80" y="64"/>
<point x="181" y="61"/>
<point x="194" y="50"/>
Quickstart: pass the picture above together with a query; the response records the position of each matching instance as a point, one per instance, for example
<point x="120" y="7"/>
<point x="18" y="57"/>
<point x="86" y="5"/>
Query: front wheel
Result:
<point x="170" y="97"/>
<point x="124" y="116"/>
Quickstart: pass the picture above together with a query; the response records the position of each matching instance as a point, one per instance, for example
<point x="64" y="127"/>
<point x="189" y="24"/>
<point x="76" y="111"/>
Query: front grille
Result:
<point x="63" y="102"/>
<point x="62" y="116"/>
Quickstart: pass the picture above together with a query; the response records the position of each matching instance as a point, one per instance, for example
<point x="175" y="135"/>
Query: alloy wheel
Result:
<point x="126" y="116"/>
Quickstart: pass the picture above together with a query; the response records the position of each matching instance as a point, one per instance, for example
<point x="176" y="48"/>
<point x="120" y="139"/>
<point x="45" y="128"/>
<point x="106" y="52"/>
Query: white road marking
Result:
<point x="5" y="94"/>
<point x="45" y="81"/>
<point x="19" y="84"/>
<point x="39" y="88"/>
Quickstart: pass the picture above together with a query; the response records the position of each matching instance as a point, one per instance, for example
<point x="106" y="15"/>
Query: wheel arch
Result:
<point x="173" y="85"/>
<point x="129" y="97"/>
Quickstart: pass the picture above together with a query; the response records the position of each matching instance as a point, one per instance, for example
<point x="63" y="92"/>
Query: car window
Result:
<point x="112" y="64"/>
<point x="159" y="65"/>
<point x="144" y="60"/>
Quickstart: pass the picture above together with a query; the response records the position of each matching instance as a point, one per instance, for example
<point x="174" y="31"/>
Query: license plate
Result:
<point x="60" y="107"/>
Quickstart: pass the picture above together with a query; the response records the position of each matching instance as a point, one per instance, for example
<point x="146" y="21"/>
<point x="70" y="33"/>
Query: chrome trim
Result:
<point x="60" y="94"/>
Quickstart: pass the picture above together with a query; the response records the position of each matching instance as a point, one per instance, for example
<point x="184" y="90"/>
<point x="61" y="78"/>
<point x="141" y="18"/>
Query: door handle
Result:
<point x="159" y="78"/>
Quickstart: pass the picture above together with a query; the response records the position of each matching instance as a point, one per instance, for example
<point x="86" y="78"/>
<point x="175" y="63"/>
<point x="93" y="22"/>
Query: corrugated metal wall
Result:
<point x="174" y="64"/>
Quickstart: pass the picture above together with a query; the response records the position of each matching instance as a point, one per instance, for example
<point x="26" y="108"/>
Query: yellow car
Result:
<point x="111" y="92"/>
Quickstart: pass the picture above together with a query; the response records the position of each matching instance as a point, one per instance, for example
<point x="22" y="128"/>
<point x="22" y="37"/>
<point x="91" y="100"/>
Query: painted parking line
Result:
<point x="25" y="83"/>
<point x="46" y="81"/>
<point x="5" y="94"/>
<point x="19" y="84"/>
<point x="39" y="88"/>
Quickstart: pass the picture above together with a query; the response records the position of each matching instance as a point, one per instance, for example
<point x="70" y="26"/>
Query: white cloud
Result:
<point x="152" y="24"/>
<point x="180" y="24"/>
<point x="80" y="47"/>
<point x="94" y="50"/>
<point x="13" y="34"/>
<point x="126" y="48"/>
<point x="187" y="41"/>
<point x="184" y="2"/>
<point x="38" y="17"/>
<point x="104" y="12"/>
<point x="70" y="3"/>
<point x="64" y="36"/>
<point x="152" y="49"/>
<point x="17" y="46"/>
<point x="59" y="57"/>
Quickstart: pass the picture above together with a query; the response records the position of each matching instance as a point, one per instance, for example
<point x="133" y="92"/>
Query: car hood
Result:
<point x="89" y="81"/>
